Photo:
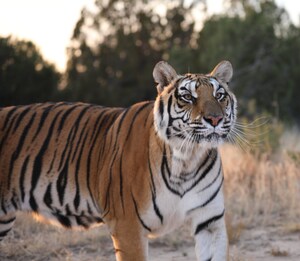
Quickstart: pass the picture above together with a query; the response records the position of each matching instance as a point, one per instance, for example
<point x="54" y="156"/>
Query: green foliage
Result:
<point x="24" y="76"/>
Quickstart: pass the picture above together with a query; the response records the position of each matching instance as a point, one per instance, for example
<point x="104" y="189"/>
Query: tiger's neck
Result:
<point x="182" y="159"/>
<point x="186" y="160"/>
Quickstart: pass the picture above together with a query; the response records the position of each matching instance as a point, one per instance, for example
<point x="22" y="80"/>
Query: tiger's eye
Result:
<point x="187" y="97"/>
<point x="219" y="95"/>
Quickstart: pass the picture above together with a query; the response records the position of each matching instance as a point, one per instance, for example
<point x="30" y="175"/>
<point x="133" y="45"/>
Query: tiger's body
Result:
<point x="139" y="170"/>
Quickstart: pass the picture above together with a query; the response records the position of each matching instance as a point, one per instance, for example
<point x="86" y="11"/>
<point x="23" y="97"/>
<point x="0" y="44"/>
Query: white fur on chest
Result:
<point x="176" y="210"/>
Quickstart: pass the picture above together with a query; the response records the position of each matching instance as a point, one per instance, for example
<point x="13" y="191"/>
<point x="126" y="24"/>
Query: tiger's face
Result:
<point x="194" y="108"/>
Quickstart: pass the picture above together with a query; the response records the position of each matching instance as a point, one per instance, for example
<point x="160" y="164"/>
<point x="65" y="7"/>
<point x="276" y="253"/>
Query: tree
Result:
<point x="25" y="77"/>
<point x="131" y="37"/>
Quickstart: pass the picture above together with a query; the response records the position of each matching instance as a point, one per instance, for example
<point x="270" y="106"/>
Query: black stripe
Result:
<point x="42" y="120"/>
<point x="120" y="124"/>
<point x="163" y="164"/>
<point x="22" y="177"/>
<point x="63" y="220"/>
<point x="114" y="152"/>
<point x="153" y="192"/>
<point x="77" y="168"/>
<point x="4" y="233"/>
<point x="187" y="176"/>
<point x="18" y="150"/>
<point x="97" y="124"/>
<point x="138" y="215"/>
<point x="78" y="120"/>
<point x="80" y="222"/>
<point x="161" y="107"/>
<point x="134" y="118"/>
<point x="67" y="146"/>
<point x="20" y="118"/>
<point x="207" y="223"/>
<point x="8" y="115"/>
<point x="89" y="210"/>
<point x="3" y="222"/>
<point x="37" y="165"/>
<point x="98" y="220"/>
<point x="107" y="197"/>
<point x="207" y="169"/>
<point x="109" y="127"/>
<point x="47" y="197"/>
<point x="210" y="199"/>
<point x="62" y="181"/>
<point x="156" y="209"/>
<point x="72" y="135"/>
<point x="121" y="184"/>
<point x="153" y="188"/>
<point x="68" y="210"/>
<point x="213" y="181"/>
<point x="52" y="161"/>
<point x="79" y="140"/>
<point x="15" y="200"/>
<point x="3" y="207"/>
<point x="213" y="195"/>
<point x="149" y="114"/>
<point x="7" y="131"/>
<point x="178" y="187"/>
<point x="64" y="117"/>
<point x="89" y="158"/>
<point x="170" y="117"/>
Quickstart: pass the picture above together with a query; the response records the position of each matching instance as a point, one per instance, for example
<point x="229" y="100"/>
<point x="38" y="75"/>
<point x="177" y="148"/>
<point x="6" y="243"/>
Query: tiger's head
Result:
<point x="194" y="109"/>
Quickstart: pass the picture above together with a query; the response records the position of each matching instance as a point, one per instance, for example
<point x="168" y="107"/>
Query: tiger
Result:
<point x="143" y="171"/>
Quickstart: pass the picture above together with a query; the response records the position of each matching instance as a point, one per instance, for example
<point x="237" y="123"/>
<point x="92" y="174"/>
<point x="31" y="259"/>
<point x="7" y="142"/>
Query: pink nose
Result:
<point x="213" y="120"/>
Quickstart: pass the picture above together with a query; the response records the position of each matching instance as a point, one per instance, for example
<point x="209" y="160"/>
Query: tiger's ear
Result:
<point x="163" y="75"/>
<point x="223" y="71"/>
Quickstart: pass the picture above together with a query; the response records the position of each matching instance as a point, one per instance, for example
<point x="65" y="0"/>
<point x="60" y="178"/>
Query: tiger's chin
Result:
<point x="211" y="140"/>
<point x="197" y="142"/>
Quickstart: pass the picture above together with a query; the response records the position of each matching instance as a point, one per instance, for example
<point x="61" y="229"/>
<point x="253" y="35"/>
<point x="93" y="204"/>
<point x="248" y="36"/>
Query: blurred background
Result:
<point x="104" y="51"/>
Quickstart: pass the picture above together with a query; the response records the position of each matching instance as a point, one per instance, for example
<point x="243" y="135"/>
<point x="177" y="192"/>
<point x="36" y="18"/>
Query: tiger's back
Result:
<point x="48" y="160"/>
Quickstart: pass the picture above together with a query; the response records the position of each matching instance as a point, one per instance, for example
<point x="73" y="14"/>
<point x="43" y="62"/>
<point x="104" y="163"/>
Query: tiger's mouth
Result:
<point x="213" y="138"/>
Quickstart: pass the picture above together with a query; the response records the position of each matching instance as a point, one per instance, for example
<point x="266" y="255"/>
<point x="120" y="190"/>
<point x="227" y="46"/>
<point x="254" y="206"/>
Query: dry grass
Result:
<point x="38" y="241"/>
<point x="291" y="228"/>
<point x="259" y="188"/>
<point x="276" y="251"/>
<point x="234" y="229"/>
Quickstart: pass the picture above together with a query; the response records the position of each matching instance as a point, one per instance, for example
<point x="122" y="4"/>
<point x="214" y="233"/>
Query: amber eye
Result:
<point x="187" y="97"/>
<point x="219" y="95"/>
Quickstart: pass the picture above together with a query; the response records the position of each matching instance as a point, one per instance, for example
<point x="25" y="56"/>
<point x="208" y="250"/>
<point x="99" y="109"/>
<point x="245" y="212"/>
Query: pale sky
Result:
<point x="50" y="23"/>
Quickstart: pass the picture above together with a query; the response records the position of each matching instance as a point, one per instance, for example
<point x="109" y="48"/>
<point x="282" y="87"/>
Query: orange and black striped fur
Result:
<point x="143" y="171"/>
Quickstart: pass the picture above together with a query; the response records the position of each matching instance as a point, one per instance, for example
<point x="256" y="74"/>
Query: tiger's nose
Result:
<point x="213" y="120"/>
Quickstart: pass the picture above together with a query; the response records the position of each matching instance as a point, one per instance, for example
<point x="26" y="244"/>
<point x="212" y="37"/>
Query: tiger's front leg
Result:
<point x="130" y="241"/>
<point x="211" y="242"/>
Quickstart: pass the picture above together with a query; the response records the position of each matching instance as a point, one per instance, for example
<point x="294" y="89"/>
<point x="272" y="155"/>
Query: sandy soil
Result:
<point x="255" y="244"/>
<point x="268" y="243"/>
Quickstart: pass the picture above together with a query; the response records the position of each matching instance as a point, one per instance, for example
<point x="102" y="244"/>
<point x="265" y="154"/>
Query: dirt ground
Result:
<point x="270" y="243"/>
<point x="38" y="242"/>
